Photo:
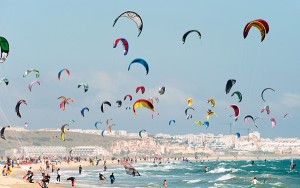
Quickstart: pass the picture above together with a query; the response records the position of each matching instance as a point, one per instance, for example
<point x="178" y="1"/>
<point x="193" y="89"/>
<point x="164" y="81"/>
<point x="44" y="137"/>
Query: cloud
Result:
<point x="291" y="100"/>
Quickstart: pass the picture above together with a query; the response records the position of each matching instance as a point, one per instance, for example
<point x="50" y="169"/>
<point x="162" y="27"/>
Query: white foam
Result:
<point x="225" y="177"/>
<point x="192" y="181"/>
<point x="220" y="170"/>
<point x="246" y="165"/>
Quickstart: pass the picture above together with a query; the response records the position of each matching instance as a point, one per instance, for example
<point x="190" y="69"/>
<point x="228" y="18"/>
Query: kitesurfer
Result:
<point x="206" y="169"/>
<point x="112" y="178"/>
<point x="292" y="167"/>
<point x="72" y="180"/>
<point x="80" y="169"/>
<point x="102" y="177"/>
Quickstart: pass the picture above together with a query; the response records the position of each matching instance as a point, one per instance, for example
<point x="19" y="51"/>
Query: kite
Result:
<point x="248" y="119"/>
<point x="154" y="98"/>
<point x="31" y="84"/>
<point x="209" y="114"/>
<point x="212" y="101"/>
<point x="102" y="105"/>
<point x="140" y="133"/>
<point x="188" y="32"/>
<point x="59" y="73"/>
<point x="130" y="97"/>
<point x="109" y="127"/>
<point x="102" y="133"/>
<point x="85" y="86"/>
<point x="142" y="103"/>
<point x="140" y="61"/>
<point x="119" y="103"/>
<point x="63" y="129"/>
<point x="140" y="88"/>
<point x="96" y="123"/>
<point x="262" y="93"/>
<point x="229" y="85"/>
<point x="161" y="90"/>
<point x="273" y="121"/>
<point x="2" y="132"/>
<point x="189" y="101"/>
<point x="186" y="110"/>
<point x="286" y="115"/>
<point x="4" y="47"/>
<point x="171" y="121"/>
<point x="125" y="44"/>
<point x="5" y="80"/>
<point x="83" y="109"/>
<point x="133" y="16"/>
<point x="37" y="72"/>
<point x="107" y="121"/>
<point x="17" y="108"/>
<point x="260" y="24"/>
<point x="236" y="111"/>
<point x="206" y="123"/>
<point x="199" y="122"/>
<point x="265" y="108"/>
<point x="238" y="94"/>
<point x="238" y="135"/>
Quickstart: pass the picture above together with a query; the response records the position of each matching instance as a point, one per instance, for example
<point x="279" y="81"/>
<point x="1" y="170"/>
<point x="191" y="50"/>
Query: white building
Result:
<point x="88" y="151"/>
<point x="35" y="151"/>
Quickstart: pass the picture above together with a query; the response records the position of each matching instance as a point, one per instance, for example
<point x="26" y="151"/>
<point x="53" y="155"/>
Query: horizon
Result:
<point x="50" y="36"/>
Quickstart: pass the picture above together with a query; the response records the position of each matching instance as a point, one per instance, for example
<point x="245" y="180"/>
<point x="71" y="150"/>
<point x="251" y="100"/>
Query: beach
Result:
<point x="15" y="180"/>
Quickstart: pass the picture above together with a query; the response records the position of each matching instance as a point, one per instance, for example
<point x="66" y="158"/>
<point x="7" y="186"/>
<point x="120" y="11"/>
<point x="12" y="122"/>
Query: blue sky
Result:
<point x="78" y="35"/>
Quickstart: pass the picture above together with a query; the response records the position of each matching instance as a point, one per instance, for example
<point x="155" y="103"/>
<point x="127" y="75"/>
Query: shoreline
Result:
<point x="15" y="180"/>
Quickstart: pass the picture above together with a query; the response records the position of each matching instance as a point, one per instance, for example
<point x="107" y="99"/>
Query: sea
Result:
<point x="270" y="173"/>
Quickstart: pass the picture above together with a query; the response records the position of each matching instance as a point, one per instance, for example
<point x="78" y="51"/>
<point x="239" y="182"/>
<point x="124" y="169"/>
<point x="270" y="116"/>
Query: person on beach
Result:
<point x="254" y="181"/>
<point x="105" y="168"/>
<point x="112" y="178"/>
<point x="165" y="183"/>
<point x="52" y="167"/>
<point x="72" y="180"/>
<point x="47" y="165"/>
<point x="30" y="177"/>
<point x="28" y="172"/>
<point x="58" y="175"/>
<point x="9" y="170"/>
<point x="102" y="177"/>
<point x="46" y="180"/>
<point x="4" y="170"/>
<point x="80" y="169"/>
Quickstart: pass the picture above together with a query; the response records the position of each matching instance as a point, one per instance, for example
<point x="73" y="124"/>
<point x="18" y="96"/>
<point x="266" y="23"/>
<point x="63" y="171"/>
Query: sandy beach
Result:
<point x="15" y="179"/>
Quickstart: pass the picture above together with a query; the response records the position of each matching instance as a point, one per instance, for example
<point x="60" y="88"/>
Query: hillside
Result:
<point x="46" y="138"/>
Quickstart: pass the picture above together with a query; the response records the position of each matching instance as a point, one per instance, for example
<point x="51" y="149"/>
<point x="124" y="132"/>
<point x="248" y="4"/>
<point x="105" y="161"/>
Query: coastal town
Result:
<point x="124" y="143"/>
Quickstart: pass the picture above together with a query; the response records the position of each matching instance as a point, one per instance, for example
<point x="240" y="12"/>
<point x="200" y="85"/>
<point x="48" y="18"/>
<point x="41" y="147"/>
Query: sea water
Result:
<point x="272" y="173"/>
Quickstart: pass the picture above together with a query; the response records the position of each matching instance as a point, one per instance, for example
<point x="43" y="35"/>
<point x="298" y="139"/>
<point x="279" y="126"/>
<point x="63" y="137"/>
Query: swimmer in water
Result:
<point x="254" y="181"/>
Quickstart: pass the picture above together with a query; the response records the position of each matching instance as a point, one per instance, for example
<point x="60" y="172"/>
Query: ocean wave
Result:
<point x="246" y="165"/>
<point x="192" y="181"/>
<point x="279" y="184"/>
<point x="225" y="177"/>
<point x="220" y="170"/>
